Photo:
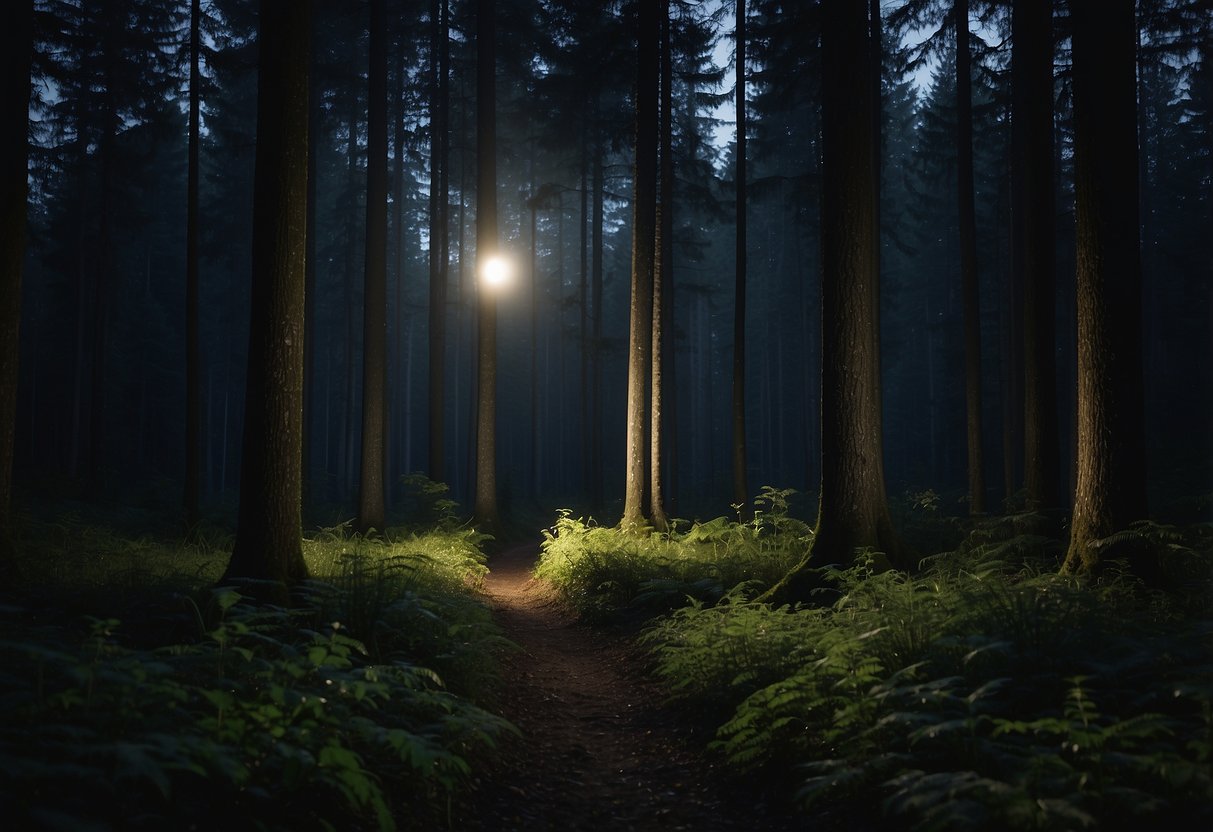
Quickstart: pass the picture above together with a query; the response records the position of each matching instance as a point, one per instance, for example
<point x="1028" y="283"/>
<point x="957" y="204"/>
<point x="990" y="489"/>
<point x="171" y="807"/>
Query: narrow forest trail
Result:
<point x="598" y="750"/>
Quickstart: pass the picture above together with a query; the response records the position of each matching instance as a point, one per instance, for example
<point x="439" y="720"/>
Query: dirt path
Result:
<point x="598" y="750"/>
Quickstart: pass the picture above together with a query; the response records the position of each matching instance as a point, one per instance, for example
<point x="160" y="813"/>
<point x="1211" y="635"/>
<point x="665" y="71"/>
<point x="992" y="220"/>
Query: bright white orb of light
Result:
<point x="495" y="271"/>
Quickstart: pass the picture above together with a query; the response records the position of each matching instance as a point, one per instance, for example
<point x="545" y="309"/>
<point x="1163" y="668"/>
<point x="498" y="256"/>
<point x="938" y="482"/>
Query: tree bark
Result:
<point x="741" y="497"/>
<point x="969" y="285"/>
<point x="485" y="510"/>
<point x="371" y="506"/>
<point x="439" y="227"/>
<point x="596" y="270"/>
<point x="16" y="52"/>
<point x="193" y="364"/>
<point x="1111" y="485"/>
<point x="644" y="211"/>
<point x="1034" y="256"/>
<point x="663" y="281"/>
<point x="853" y="510"/>
<point x="268" y="544"/>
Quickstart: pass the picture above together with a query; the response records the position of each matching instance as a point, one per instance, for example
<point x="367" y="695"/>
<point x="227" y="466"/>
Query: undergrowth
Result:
<point x="603" y="571"/>
<point x="974" y="695"/>
<point x="984" y="691"/>
<point x="172" y="704"/>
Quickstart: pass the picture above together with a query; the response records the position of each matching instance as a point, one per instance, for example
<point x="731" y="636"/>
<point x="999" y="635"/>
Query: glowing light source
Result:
<point x="495" y="271"/>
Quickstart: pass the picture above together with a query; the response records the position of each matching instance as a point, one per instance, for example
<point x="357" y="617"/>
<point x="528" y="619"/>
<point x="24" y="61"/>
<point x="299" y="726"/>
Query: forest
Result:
<point x="645" y="414"/>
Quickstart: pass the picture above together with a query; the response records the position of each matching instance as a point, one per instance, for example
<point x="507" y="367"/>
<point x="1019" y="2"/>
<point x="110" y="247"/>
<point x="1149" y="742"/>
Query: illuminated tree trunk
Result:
<point x="16" y="48"/>
<point x="969" y="286"/>
<point x="643" y="225"/>
<point x="439" y="228"/>
<point x="371" y="508"/>
<point x="662" y="281"/>
<point x="740" y="489"/>
<point x="268" y="544"/>
<point x="853" y="511"/>
<point x="1033" y="256"/>
<point x="485" y="510"/>
<point x="1111" y="485"/>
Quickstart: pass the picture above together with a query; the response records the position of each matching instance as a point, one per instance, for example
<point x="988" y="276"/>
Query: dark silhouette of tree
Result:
<point x="740" y="489"/>
<point x="853" y="510"/>
<point x="644" y="211"/>
<point x="440" y="50"/>
<point x="193" y="362"/>
<point x="1111" y="484"/>
<point x="16" y="50"/>
<point x="371" y="508"/>
<point x="1034" y="241"/>
<point x="485" y="510"/>
<point x="268" y="545"/>
<point x="967" y="213"/>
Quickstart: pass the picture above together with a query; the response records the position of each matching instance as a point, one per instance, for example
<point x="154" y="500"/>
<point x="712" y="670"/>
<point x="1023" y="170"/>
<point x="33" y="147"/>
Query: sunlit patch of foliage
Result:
<point x="976" y="694"/>
<point x="602" y="571"/>
<point x="355" y="709"/>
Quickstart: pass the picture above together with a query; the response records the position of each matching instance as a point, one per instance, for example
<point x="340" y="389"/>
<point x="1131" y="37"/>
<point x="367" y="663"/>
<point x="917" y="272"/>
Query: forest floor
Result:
<point x="599" y="750"/>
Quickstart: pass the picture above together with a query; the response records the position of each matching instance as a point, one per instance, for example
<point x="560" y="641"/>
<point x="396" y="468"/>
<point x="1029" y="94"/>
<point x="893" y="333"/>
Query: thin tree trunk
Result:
<point x="968" y="257"/>
<point x="372" y="510"/>
<point x="1111" y="485"/>
<point x="741" y="498"/>
<point x="583" y="322"/>
<point x="193" y="364"/>
<point x="439" y="52"/>
<point x="16" y="51"/>
<point x="1032" y="125"/>
<point x="268" y="544"/>
<point x="596" y="268"/>
<point x="641" y="308"/>
<point x="662" y="281"/>
<point x="485" y="511"/>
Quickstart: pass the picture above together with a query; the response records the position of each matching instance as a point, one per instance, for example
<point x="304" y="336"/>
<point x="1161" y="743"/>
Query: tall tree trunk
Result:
<point x="485" y="511"/>
<point x="1111" y="486"/>
<point x="662" y="281"/>
<point x="16" y="50"/>
<point x="596" y="269"/>
<point x="309" y="302"/>
<point x="1032" y="169"/>
<point x="641" y="307"/>
<point x="268" y="544"/>
<point x="439" y="90"/>
<point x="103" y="280"/>
<point x="193" y="364"/>
<point x="371" y="508"/>
<point x="853" y="510"/>
<point x="741" y="496"/>
<point x="583" y="316"/>
<point x="969" y="286"/>
<point x="536" y="456"/>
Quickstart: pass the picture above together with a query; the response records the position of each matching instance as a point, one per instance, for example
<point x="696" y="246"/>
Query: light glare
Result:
<point x="495" y="271"/>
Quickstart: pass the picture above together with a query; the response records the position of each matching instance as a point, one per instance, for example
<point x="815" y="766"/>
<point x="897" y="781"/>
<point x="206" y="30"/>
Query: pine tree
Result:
<point x="268" y="545"/>
<point x="641" y="306"/>
<point x="371" y="508"/>
<point x="1111" y="484"/>
<point x="16" y="50"/>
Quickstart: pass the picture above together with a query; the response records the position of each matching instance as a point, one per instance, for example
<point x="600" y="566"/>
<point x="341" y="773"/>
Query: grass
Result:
<point x="983" y="691"/>
<point x="136" y="695"/>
